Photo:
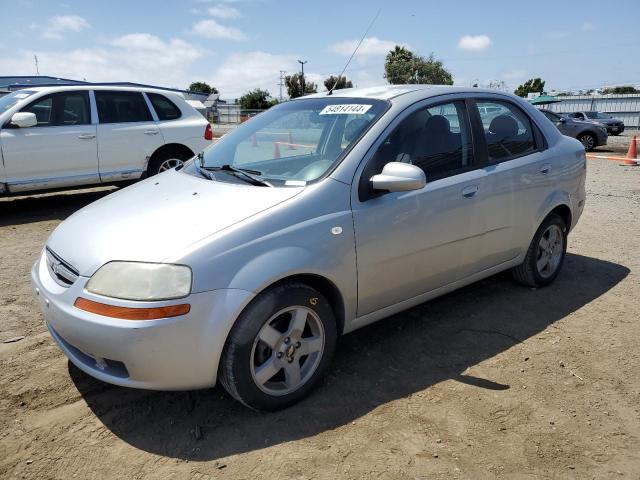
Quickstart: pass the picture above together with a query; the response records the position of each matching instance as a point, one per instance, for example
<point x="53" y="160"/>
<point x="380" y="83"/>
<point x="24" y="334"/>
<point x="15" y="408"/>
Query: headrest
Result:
<point x="437" y="124"/>
<point x="504" y="126"/>
<point x="354" y="128"/>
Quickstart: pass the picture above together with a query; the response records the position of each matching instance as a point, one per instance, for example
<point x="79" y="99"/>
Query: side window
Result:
<point x="165" y="108"/>
<point x="507" y="130"/>
<point x="551" y="116"/>
<point x="122" y="107"/>
<point x="436" y="139"/>
<point x="61" y="109"/>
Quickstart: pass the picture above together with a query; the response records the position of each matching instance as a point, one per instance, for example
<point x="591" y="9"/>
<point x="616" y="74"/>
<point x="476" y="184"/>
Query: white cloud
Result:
<point x="137" y="57"/>
<point x="241" y="72"/>
<point x="587" y="27"/>
<point x="474" y="43"/>
<point x="212" y="29"/>
<point x="223" y="11"/>
<point x="58" y="25"/>
<point x="370" y="46"/>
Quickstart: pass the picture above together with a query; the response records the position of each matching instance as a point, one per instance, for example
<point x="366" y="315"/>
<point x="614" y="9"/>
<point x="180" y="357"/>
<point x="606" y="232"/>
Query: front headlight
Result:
<point x="141" y="281"/>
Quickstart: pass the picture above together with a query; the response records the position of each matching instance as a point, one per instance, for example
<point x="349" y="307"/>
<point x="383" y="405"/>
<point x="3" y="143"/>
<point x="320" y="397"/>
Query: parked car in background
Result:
<point x="241" y="266"/>
<point x="69" y="136"/>
<point x="614" y="126"/>
<point x="590" y="134"/>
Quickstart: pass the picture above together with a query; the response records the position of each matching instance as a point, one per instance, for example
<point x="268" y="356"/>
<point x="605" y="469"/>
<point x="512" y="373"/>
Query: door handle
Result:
<point x="544" y="169"/>
<point x="151" y="132"/>
<point x="86" y="136"/>
<point x="469" y="191"/>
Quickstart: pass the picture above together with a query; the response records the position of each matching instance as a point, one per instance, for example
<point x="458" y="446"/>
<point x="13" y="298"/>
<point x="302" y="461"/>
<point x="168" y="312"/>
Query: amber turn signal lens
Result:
<point x="127" y="313"/>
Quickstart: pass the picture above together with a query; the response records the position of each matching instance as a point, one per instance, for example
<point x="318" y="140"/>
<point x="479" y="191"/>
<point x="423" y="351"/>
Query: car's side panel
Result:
<point x="313" y="235"/>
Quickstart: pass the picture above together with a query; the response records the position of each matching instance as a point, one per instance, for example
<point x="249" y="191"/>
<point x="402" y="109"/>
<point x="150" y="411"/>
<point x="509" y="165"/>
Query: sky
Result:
<point x="238" y="45"/>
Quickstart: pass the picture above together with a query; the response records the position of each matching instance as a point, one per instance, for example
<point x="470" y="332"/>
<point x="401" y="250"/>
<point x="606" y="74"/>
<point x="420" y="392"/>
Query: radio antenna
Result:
<point x="356" y="49"/>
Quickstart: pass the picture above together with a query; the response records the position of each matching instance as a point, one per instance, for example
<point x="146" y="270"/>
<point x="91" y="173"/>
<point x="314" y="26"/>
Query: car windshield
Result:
<point x="597" y="115"/>
<point x="293" y="143"/>
<point x="11" y="99"/>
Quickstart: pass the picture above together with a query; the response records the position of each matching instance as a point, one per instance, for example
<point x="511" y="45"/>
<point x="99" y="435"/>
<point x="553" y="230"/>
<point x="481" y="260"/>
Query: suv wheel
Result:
<point x="545" y="254"/>
<point x="165" y="161"/>
<point x="588" y="140"/>
<point x="279" y="348"/>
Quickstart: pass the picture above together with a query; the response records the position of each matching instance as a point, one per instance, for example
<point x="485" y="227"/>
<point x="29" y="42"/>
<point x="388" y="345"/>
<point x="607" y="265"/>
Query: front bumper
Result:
<point x="179" y="353"/>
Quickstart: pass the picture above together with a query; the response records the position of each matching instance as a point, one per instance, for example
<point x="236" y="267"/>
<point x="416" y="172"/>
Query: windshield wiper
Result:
<point x="201" y="169"/>
<point x="244" y="173"/>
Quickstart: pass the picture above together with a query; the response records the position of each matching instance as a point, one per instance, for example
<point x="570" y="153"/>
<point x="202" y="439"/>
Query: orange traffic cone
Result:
<point x="291" y="145"/>
<point x="254" y="140"/>
<point x="276" y="150"/>
<point x="632" y="153"/>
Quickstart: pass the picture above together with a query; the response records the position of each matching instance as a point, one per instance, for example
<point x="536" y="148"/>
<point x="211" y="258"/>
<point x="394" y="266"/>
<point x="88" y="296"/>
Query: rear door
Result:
<point x="519" y="177"/>
<point x="127" y="134"/>
<point x="60" y="151"/>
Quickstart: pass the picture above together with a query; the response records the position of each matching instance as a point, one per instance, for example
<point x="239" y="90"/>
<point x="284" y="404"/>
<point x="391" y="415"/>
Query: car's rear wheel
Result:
<point x="588" y="140"/>
<point x="166" y="161"/>
<point x="545" y="255"/>
<point x="279" y="348"/>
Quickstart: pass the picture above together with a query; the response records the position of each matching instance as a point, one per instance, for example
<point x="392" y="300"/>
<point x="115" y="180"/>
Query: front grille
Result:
<point x="61" y="272"/>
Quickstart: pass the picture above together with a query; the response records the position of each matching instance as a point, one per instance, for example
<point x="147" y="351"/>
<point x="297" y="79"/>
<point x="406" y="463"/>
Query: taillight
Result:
<point x="208" y="132"/>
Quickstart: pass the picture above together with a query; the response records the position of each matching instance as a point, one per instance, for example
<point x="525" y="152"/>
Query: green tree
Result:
<point x="202" y="87"/>
<point x="336" y="83"/>
<point x="294" y="86"/>
<point x="403" y="66"/>
<point x="255" y="100"/>
<point x="622" y="89"/>
<point x="533" y="85"/>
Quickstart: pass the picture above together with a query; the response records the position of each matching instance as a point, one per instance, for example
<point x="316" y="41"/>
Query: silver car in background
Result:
<point x="313" y="219"/>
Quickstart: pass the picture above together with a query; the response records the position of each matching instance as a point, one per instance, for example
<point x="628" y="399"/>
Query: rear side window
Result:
<point x="507" y="130"/>
<point x="122" y="107"/>
<point x="165" y="108"/>
<point x="61" y="109"/>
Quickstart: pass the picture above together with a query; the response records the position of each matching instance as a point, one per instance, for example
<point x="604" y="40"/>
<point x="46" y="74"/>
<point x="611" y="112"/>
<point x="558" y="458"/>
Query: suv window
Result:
<point x="59" y="109"/>
<point x="436" y="139"/>
<point x="508" y="130"/>
<point x="165" y="108"/>
<point x="122" y="107"/>
<point x="552" y="116"/>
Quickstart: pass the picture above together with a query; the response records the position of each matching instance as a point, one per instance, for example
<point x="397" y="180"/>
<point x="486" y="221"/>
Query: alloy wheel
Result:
<point x="550" y="251"/>
<point x="169" y="163"/>
<point x="287" y="350"/>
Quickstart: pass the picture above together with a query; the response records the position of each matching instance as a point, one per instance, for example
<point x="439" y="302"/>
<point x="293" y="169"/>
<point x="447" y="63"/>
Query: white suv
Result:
<point x="58" y="137"/>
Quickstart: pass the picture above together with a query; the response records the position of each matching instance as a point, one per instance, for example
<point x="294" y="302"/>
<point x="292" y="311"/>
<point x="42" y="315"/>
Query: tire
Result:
<point x="266" y="347"/>
<point x="534" y="272"/>
<point x="588" y="141"/>
<point x="165" y="161"/>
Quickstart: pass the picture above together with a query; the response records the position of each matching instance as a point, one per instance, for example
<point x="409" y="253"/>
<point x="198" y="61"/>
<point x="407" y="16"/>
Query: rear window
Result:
<point x="122" y="107"/>
<point x="165" y="108"/>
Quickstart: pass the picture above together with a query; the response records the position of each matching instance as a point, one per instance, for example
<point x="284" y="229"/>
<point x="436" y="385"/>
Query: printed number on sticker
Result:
<point x="345" y="109"/>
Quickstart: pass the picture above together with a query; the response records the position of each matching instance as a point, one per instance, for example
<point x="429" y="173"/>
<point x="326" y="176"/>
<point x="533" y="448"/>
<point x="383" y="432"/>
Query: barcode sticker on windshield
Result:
<point x="346" y="109"/>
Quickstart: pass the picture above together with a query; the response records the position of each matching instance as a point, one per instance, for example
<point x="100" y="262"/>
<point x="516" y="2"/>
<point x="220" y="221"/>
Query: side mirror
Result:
<point x="399" y="177"/>
<point x="24" y="119"/>
<point x="563" y="120"/>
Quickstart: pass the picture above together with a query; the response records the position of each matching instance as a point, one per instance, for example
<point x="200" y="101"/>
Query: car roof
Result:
<point x="387" y="92"/>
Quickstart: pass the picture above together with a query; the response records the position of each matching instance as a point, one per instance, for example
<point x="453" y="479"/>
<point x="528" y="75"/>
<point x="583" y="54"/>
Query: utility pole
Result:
<point x="35" y="58"/>
<point x="302" y="75"/>
<point x="282" y="72"/>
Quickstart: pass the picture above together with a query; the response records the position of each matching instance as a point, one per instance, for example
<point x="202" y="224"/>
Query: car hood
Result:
<point x="153" y="219"/>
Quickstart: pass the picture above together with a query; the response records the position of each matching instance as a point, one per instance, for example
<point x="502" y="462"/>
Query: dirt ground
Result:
<point x="492" y="381"/>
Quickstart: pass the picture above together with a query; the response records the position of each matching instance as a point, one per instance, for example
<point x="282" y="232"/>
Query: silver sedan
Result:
<point x="311" y="220"/>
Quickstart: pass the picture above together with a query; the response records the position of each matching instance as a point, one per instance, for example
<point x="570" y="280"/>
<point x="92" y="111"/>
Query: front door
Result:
<point x="60" y="151"/>
<point x="409" y="243"/>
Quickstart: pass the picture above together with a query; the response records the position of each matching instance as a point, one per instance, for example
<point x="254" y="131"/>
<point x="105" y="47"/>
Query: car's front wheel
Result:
<point x="588" y="140"/>
<point x="279" y="348"/>
<point x="545" y="255"/>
